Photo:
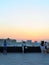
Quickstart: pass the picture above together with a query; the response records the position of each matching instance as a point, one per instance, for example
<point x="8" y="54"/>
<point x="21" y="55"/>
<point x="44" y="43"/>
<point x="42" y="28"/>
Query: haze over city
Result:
<point x="24" y="19"/>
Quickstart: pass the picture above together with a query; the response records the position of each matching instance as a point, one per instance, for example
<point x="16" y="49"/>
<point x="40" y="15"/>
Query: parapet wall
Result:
<point x="19" y="49"/>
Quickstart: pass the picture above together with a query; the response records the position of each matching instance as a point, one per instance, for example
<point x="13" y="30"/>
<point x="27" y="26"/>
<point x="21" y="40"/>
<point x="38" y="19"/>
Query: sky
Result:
<point x="24" y="19"/>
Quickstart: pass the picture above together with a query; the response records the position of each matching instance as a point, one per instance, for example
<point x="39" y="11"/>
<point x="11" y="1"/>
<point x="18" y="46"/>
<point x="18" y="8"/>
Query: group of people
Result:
<point x="43" y="47"/>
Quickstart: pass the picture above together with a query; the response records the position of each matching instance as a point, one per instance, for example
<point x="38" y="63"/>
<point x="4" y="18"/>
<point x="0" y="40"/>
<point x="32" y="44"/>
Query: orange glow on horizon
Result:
<point x="21" y="34"/>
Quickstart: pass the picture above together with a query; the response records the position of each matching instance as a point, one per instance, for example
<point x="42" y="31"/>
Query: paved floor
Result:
<point x="24" y="59"/>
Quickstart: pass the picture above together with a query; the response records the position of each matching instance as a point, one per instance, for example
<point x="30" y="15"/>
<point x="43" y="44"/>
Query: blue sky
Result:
<point x="23" y="15"/>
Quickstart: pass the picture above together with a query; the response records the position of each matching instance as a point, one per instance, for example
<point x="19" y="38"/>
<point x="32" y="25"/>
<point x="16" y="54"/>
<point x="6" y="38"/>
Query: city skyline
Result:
<point x="24" y="19"/>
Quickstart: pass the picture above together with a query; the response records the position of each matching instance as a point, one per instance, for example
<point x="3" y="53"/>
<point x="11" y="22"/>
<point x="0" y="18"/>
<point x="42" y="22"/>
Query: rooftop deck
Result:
<point x="24" y="59"/>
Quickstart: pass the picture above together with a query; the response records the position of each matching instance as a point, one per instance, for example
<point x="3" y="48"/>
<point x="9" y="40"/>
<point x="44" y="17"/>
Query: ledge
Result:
<point x="19" y="49"/>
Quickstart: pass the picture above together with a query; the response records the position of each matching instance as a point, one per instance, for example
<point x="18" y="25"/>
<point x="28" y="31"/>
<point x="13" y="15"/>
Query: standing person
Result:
<point x="42" y="46"/>
<point x="23" y="48"/>
<point x="45" y="47"/>
<point x="5" y="47"/>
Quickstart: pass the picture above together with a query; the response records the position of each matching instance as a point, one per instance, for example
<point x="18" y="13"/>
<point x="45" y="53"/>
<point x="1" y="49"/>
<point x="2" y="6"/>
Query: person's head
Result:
<point x="45" y="42"/>
<point x="42" y="43"/>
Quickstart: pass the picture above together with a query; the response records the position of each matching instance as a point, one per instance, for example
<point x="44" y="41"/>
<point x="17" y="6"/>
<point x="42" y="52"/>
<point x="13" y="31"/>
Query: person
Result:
<point x="42" y="46"/>
<point x="5" y="47"/>
<point x="23" y="46"/>
<point x="45" y="47"/>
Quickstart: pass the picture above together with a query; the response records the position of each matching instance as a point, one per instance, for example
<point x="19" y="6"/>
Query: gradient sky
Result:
<point x="24" y="19"/>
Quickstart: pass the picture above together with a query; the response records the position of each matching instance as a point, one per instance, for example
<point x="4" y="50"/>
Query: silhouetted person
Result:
<point x="5" y="47"/>
<point x="42" y="46"/>
<point x="46" y="47"/>
<point x="23" y="46"/>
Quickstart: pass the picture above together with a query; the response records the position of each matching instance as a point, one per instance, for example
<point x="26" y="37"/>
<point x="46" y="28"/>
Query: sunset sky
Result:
<point x="24" y="19"/>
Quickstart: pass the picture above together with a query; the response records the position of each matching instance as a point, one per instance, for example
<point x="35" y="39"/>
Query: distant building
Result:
<point x="1" y="42"/>
<point x="10" y="40"/>
<point x="29" y="41"/>
<point x="36" y="44"/>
